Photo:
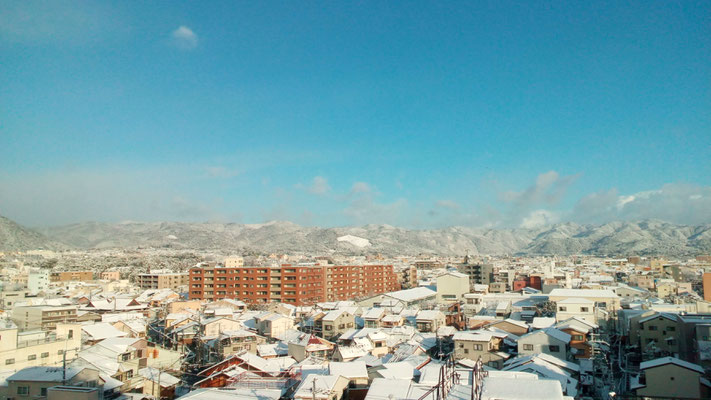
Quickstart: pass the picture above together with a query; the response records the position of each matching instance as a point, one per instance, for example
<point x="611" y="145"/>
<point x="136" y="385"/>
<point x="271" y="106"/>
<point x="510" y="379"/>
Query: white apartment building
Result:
<point x="19" y="350"/>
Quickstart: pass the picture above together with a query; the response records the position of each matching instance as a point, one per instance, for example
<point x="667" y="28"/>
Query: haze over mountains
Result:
<point x="624" y="238"/>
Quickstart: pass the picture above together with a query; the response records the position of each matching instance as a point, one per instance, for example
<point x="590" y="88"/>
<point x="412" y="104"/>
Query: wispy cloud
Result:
<point x="184" y="38"/>
<point x="221" y="172"/>
<point x="66" y="22"/>
<point x="448" y="204"/>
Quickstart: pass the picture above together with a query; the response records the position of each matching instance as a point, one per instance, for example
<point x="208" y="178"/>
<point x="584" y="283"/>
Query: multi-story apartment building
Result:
<point x="43" y="317"/>
<point x="293" y="284"/>
<point x="162" y="279"/>
<point x="111" y="275"/>
<point x="479" y="274"/>
<point x="37" y="280"/>
<point x="71" y="276"/>
<point x="19" y="350"/>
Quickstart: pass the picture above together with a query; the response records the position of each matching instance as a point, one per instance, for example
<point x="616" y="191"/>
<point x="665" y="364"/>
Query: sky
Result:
<point x="417" y="114"/>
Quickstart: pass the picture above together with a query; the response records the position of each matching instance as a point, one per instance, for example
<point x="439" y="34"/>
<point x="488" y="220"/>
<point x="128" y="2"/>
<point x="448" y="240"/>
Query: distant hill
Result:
<point x="14" y="237"/>
<point x="615" y="238"/>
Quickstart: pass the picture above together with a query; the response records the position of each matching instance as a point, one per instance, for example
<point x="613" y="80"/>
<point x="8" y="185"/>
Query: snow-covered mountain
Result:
<point x="615" y="238"/>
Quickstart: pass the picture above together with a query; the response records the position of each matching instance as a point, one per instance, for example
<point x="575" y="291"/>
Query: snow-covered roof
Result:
<point x="542" y="322"/>
<point x="102" y="330"/>
<point x="496" y="387"/>
<point x="552" y="332"/>
<point x="44" y="374"/>
<point x="373" y="313"/>
<point x="473" y="336"/>
<point x="350" y="370"/>
<point x="602" y="293"/>
<point x="671" y="360"/>
<point x="414" y="294"/>
<point x="429" y="315"/>
<point x="333" y="315"/>
<point x="156" y="375"/>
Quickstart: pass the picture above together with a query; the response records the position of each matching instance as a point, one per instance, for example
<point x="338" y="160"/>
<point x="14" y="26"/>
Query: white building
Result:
<point x="38" y="280"/>
<point x="452" y="286"/>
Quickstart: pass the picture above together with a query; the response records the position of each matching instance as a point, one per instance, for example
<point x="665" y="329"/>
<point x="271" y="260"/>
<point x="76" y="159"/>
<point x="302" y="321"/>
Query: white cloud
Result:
<point x="361" y="187"/>
<point x="448" y="204"/>
<point x="184" y="38"/>
<point x="539" y="218"/>
<point x="319" y="186"/>
<point x="675" y="202"/>
<point x="221" y="172"/>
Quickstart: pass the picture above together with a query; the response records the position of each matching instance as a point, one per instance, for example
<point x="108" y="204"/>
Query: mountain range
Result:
<point x="615" y="238"/>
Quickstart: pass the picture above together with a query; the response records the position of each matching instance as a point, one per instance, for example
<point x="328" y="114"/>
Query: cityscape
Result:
<point x="420" y="200"/>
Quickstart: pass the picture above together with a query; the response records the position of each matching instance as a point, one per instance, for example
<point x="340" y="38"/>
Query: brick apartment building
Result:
<point x="293" y="284"/>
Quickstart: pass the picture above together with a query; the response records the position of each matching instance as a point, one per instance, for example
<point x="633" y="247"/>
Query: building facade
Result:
<point x="292" y="284"/>
<point x="162" y="280"/>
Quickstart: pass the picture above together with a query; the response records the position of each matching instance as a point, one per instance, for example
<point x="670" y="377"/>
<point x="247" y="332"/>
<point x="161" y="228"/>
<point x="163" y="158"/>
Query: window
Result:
<point x="562" y="309"/>
<point x="554" y="349"/>
<point x="32" y="357"/>
<point x="528" y="347"/>
<point x="43" y="392"/>
<point x="60" y="352"/>
<point x="71" y="333"/>
<point x="584" y="309"/>
<point x="45" y="354"/>
<point x="466" y="351"/>
<point x="653" y="328"/>
<point x="23" y="390"/>
<point x="578" y="337"/>
<point x="478" y="347"/>
<point x="9" y="361"/>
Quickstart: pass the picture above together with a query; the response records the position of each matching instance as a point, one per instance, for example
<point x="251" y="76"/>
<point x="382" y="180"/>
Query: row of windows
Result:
<point x="32" y="357"/>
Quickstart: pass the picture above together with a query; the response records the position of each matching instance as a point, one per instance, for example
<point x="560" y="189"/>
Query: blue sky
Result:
<point x="415" y="114"/>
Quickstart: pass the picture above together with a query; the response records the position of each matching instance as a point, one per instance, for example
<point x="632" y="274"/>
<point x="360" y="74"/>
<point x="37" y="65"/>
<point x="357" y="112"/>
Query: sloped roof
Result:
<point x="671" y="360"/>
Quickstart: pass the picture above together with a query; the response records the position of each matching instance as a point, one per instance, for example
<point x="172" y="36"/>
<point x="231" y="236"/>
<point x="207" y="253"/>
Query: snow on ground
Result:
<point x="354" y="240"/>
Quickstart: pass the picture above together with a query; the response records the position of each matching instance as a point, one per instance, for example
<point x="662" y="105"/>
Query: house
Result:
<point x="606" y="302"/>
<point x="575" y="307"/>
<point x="474" y="345"/>
<point x="119" y="358"/>
<point x="548" y="341"/>
<point x="335" y="323"/>
<point x="372" y="317"/>
<point x="512" y="326"/>
<point x="670" y="377"/>
<point x="579" y="331"/>
<point x="430" y="320"/>
<point x="321" y="387"/>
<point x="158" y="384"/>
<point x="135" y="328"/>
<point x="93" y="334"/>
<point x="273" y="325"/>
<point x="452" y="287"/>
<point x="34" y="382"/>
<point x="548" y="367"/>
<point x="392" y="320"/>
<point x="230" y="342"/>
<point x="213" y="327"/>
<point x="310" y="346"/>
<point x="356" y="372"/>
<point x="658" y="335"/>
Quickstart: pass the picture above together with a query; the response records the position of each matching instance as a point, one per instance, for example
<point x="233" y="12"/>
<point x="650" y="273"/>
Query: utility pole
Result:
<point x="64" y="368"/>
<point x="313" y="388"/>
